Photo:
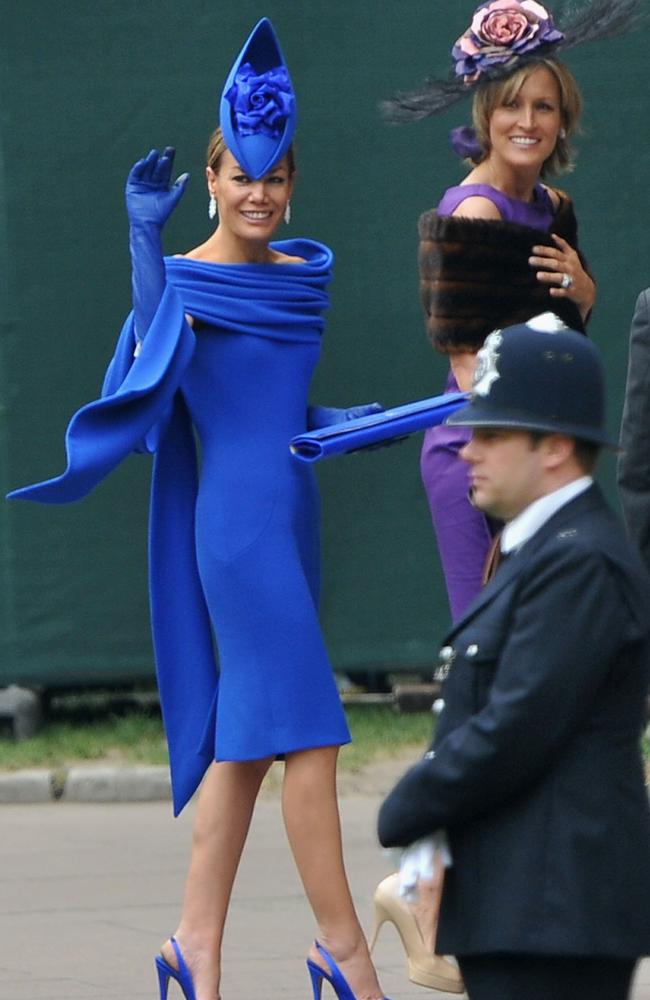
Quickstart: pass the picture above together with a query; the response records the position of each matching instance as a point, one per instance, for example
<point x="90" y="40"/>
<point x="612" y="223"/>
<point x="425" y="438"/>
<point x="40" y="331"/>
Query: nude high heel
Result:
<point x="424" y="968"/>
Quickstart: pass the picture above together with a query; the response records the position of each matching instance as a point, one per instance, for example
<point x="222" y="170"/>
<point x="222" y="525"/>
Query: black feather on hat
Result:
<point x="587" y="22"/>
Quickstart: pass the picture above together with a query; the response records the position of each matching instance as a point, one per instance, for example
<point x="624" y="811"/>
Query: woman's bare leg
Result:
<point x="311" y="816"/>
<point x="223" y="815"/>
<point x="426" y="907"/>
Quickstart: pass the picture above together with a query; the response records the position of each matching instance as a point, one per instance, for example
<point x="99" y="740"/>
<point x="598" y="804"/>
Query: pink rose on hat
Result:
<point x="502" y="30"/>
<point x="503" y="22"/>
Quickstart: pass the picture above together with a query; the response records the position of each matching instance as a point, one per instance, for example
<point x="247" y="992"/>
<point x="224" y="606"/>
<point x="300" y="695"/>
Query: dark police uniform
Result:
<point x="535" y="771"/>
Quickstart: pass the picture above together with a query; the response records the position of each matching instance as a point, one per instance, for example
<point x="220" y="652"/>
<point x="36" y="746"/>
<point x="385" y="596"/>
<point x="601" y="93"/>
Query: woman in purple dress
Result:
<point x="518" y="257"/>
<point x="500" y="247"/>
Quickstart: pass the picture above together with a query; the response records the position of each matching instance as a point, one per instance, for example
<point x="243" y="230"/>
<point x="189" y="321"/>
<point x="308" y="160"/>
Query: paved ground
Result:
<point x="88" y="891"/>
<point x="90" y="885"/>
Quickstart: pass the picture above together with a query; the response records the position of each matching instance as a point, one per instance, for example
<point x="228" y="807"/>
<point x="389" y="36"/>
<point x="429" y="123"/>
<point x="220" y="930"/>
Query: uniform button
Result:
<point x="447" y="656"/>
<point x="471" y="650"/>
<point x="438" y="706"/>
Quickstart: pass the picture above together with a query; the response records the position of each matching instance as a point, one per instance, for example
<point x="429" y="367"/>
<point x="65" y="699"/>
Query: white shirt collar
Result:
<point x="530" y="520"/>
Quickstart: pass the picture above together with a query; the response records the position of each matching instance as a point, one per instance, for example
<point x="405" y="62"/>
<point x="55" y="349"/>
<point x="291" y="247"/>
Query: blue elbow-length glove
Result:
<point x="150" y="200"/>
<point x="324" y="416"/>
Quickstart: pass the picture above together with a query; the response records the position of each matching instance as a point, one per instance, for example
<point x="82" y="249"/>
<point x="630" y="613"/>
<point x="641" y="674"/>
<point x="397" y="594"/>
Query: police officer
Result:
<point x="535" y="772"/>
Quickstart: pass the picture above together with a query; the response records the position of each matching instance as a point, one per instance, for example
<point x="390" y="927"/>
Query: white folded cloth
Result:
<point x="419" y="861"/>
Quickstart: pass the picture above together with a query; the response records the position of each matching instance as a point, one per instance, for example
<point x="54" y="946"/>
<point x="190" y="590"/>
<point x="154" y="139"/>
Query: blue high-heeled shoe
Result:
<point x="182" y="974"/>
<point x="335" y="978"/>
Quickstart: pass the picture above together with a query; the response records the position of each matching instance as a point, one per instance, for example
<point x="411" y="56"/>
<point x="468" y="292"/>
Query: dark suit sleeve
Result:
<point x="634" y="459"/>
<point x="565" y="633"/>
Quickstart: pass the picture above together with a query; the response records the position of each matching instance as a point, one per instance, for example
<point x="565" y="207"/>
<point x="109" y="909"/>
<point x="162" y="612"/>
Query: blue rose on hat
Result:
<point x="261" y="102"/>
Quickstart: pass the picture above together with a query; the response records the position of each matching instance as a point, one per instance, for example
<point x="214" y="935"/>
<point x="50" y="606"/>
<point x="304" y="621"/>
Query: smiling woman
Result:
<point x="249" y="209"/>
<point x="562" y="98"/>
<point x="221" y="345"/>
<point x="501" y="246"/>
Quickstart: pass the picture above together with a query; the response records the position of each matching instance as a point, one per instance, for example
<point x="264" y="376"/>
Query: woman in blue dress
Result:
<point x="221" y="344"/>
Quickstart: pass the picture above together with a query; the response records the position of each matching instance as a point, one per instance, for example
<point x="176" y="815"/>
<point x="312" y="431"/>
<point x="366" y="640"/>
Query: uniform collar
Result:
<point x="530" y="520"/>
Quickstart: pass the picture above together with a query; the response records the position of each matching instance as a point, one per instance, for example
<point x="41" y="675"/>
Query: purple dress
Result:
<point x="462" y="532"/>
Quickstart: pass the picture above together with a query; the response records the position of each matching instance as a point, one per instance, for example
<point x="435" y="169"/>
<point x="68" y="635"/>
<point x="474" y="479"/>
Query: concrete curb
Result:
<point x="102" y="783"/>
<point x="110" y="784"/>
<point x="152" y="784"/>
<point x="27" y="786"/>
<point x="86" y="784"/>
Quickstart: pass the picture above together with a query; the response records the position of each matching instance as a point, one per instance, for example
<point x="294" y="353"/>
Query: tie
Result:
<point x="493" y="559"/>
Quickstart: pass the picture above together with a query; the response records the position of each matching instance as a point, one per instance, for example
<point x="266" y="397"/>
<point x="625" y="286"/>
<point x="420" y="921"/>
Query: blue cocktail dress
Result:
<point x="234" y="546"/>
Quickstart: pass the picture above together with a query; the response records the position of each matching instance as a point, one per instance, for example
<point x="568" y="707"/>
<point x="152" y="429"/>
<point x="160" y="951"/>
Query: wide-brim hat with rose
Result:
<point x="501" y="37"/>
<point x="258" y="104"/>
<point x="538" y="376"/>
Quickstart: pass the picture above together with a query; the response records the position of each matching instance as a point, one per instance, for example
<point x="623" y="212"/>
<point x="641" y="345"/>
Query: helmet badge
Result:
<point x="486" y="372"/>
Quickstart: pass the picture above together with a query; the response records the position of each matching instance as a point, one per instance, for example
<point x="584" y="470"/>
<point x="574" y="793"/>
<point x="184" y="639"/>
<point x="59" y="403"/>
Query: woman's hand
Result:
<point x="325" y="416"/>
<point x="562" y="270"/>
<point x="149" y="201"/>
<point x="149" y="198"/>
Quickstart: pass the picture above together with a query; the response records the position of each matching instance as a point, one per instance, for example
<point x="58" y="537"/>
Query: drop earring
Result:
<point x="287" y="213"/>
<point x="212" y="207"/>
<point x="562" y="134"/>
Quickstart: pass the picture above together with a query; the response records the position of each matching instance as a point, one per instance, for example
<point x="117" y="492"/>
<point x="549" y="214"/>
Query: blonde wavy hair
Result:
<point x="494" y="93"/>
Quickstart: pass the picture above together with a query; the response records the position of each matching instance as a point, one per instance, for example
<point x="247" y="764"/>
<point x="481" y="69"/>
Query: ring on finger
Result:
<point x="567" y="281"/>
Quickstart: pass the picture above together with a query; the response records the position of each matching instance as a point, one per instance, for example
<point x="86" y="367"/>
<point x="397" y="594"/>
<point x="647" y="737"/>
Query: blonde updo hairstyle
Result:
<point x="217" y="146"/>
<point x="493" y="93"/>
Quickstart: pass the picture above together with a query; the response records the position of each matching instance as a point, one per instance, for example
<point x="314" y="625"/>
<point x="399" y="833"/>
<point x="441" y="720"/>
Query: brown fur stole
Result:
<point x="475" y="277"/>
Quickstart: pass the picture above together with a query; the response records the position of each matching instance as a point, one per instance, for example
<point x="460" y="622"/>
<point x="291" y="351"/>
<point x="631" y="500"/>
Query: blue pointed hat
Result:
<point x="258" y="104"/>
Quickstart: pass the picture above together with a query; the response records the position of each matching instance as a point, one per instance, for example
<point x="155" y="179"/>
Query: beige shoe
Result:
<point x="425" y="969"/>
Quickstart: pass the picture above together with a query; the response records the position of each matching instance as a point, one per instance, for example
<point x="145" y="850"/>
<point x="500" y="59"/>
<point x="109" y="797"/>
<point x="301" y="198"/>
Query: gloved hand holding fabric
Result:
<point x="325" y="416"/>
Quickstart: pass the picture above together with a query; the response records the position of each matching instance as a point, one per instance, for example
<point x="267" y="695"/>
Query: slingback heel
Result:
<point x="424" y="969"/>
<point x="182" y="974"/>
<point x="335" y="977"/>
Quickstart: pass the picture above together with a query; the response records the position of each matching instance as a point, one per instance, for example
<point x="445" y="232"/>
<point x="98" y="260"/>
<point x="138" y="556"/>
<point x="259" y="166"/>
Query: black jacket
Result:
<point x="537" y="775"/>
<point x="634" y="458"/>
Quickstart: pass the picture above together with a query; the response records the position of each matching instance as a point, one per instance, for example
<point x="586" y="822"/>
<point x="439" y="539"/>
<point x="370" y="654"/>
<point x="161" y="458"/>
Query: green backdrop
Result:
<point x="85" y="89"/>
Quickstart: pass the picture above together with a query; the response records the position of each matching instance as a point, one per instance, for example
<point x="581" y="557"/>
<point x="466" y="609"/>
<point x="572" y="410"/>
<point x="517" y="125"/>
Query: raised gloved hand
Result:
<point x="324" y="416"/>
<point x="150" y="200"/>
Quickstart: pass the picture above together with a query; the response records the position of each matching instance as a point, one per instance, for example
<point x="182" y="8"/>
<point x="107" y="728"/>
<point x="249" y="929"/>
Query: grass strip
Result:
<point x="87" y="730"/>
<point x="109" y="729"/>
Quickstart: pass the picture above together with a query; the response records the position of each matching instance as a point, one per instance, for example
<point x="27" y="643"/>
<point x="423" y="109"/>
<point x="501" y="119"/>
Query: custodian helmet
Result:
<point x="538" y="376"/>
